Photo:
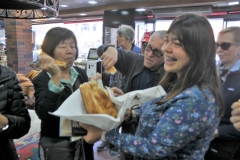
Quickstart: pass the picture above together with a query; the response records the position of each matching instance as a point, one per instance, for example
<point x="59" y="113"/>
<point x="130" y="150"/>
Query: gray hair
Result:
<point x="126" y="31"/>
<point x="234" y="30"/>
<point x="162" y="34"/>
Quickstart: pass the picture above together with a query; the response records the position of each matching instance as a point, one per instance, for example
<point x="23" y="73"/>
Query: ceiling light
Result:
<point x="124" y="12"/>
<point x="92" y="2"/>
<point x="83" y="14"/>
<point x="233" y="3"/>
<point x="63" y="5"/>
<point x="140" y="9"/>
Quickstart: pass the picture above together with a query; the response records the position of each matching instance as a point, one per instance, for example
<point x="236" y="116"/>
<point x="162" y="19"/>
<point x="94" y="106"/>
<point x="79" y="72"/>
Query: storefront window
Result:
<point x="140" y="29"/>
<point x="217" y="25"/>
<point x="88" y="34"/>
<point x="163" y="24"/>
<point x="233" y="23"/>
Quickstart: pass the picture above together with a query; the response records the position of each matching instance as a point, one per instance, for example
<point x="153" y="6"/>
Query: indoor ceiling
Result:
<point x="95" y="11"/>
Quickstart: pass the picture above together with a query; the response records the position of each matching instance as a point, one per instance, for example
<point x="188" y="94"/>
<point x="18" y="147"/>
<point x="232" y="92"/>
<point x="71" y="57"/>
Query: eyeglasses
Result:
<point x="224" y="45"/>
<point x="156" y="52"/>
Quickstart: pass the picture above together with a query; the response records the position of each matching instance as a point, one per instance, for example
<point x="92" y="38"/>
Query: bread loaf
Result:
<point x="97" y="99"/>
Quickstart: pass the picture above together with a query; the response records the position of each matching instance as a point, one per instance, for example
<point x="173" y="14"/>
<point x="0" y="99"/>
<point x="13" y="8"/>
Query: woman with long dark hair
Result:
<point x="179" y="125"/>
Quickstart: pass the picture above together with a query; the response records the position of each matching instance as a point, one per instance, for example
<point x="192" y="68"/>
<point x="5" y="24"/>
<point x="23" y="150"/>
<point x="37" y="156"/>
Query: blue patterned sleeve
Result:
<point x="178" y="126"/>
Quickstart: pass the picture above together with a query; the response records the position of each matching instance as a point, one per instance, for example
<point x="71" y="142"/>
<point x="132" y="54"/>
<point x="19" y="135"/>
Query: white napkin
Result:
<point x="73" y="107"/>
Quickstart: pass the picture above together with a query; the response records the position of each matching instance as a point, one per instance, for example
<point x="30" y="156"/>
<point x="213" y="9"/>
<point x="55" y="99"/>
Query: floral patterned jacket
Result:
<point x="180" y="129"/>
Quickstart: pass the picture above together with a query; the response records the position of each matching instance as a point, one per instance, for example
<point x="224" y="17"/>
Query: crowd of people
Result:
<point x="198" y="118"/>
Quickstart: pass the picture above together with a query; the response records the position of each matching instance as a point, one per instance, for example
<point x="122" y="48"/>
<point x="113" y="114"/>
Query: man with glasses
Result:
<point x="226" y="139"/>
<point x="145" y="39"/>
<point x="143" y="71"/>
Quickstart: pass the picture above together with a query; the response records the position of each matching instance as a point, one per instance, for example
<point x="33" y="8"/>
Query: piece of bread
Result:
<point x="26" y="84"/>
<point x="60" y="64"/>
<point x="97" y="99"/>
<point x="32" y="74"/>
<point x="23" y="79"/>
<point x="112" y="70"/>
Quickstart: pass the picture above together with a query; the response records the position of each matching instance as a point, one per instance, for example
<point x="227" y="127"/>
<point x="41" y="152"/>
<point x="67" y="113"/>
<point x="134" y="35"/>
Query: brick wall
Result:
<point x="18" y="44"/>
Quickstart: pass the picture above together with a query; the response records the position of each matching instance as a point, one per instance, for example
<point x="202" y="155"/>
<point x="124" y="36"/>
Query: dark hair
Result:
<point x="196" y="37"/>
<point x="56" y="35"/>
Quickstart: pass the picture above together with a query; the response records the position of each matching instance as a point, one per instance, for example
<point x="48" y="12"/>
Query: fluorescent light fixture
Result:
<point x="92" y="2"/>
<point x="140" y="9"/>
<point x="63" y="5"/>
<point x="83" y="14"/>
<point x="233" y="3"/>
<point x="124" y="12"/>
<point x="52" y="18"/>
<point x="43" y="8"/>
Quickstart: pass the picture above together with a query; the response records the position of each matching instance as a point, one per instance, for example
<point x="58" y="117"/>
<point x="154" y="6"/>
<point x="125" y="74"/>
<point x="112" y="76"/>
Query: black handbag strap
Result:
<point x="80" y="154"/>
<point x="76" y="84"/>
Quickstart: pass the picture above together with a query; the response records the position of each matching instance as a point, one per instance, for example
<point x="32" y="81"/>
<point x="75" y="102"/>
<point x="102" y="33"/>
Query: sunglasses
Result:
<point x="156" y="52"/>
<point x="224" y="45"/>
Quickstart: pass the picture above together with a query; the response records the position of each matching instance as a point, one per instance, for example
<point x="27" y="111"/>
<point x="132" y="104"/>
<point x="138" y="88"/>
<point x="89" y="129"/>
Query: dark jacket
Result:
<point x="131" y="64"/>
<point x="12" y="106"/>
<point x="48" y="101"/>
<point x="231" y="94"/>
<point x="227" y="144"/>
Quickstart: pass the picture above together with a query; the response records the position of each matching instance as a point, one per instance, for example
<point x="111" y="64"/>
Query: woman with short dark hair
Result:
<point x="55" y="84"/>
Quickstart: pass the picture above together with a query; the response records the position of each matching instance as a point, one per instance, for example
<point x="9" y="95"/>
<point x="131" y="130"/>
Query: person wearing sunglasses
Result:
<point x="143" y="71"/>
<point x="226" y="139"/>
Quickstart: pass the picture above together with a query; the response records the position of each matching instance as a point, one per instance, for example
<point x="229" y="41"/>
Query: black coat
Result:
<point x="231" y="94"/>
<point x="12" y="106"/>
<point x="48" y="101"/>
